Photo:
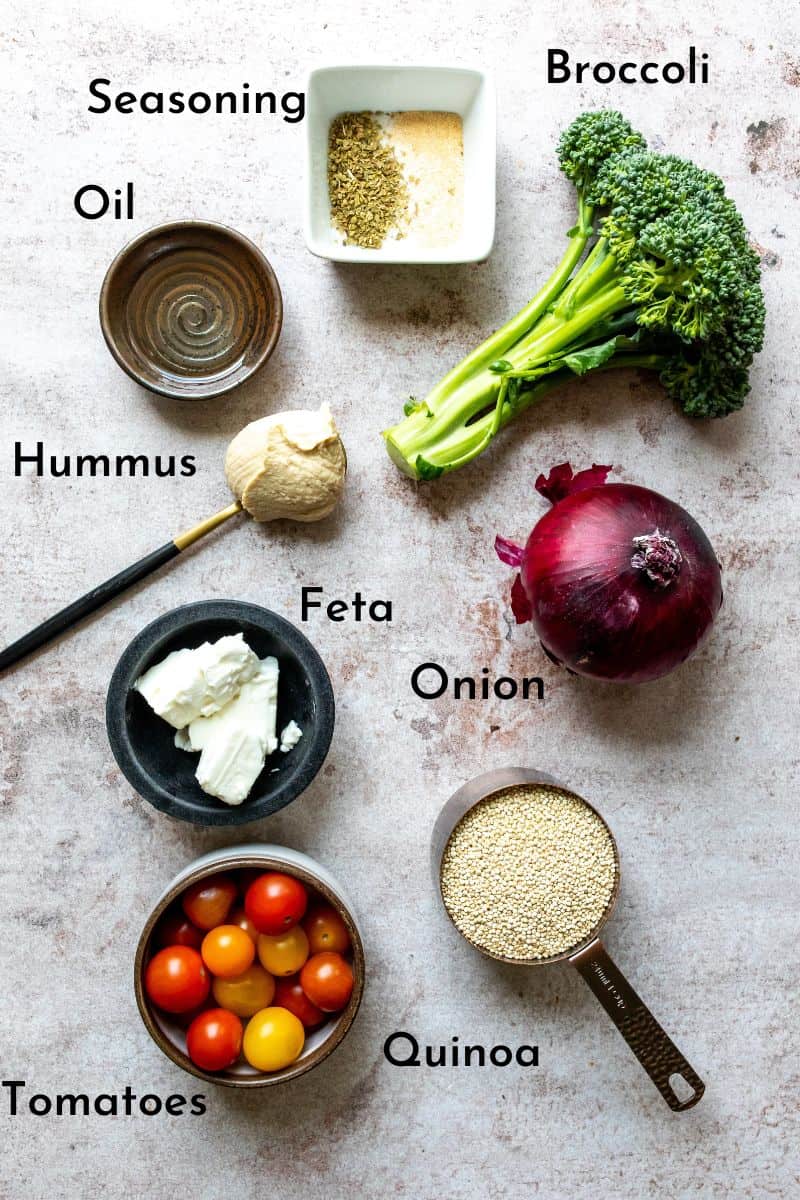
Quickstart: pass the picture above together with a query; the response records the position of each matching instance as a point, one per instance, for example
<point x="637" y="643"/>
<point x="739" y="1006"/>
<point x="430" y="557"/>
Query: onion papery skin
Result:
<point x="596" y="613"/>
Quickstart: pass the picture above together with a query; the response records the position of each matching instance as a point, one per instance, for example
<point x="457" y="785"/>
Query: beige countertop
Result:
<point x="695" y="774"/>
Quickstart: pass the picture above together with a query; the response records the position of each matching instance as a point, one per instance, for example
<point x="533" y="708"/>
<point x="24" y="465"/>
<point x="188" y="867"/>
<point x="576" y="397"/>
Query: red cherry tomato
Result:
<point x="176" y="980"/>
<point x="289" y="994"/>
<point x="274" y="902"/>
<point x="208" y="902"/>
<point x="327" y="980"/>
<point x="175" y="929"/>
<point x="214" y="1039"/>
<point x="326" y="930"/>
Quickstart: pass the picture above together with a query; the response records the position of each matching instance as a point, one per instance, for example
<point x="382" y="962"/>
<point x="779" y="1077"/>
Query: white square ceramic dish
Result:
<point x="466" y="91"/>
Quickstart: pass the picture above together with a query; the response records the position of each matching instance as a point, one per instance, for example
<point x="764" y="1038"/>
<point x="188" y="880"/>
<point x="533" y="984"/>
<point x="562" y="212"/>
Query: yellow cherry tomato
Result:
<point x="283" y="953"/>
<point x="227" y="951"/>
<point x="273" y="1039"/>
<point x="245" y="994"/>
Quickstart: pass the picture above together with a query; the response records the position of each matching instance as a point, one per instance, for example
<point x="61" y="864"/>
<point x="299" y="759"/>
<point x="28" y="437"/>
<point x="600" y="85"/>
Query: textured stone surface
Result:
<point x="695" y="773"/>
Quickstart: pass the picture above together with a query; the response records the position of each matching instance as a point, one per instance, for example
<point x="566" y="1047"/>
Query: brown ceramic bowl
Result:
<point x="169" y="1032"/>
<point x="190" y="309"/>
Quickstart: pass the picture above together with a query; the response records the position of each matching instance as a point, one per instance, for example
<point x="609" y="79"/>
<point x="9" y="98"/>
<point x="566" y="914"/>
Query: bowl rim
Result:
<point x="222" y="232"/>
<point x="174" y="622"/>
<point x="232" y="859"/>
<point x="432" y="68"/>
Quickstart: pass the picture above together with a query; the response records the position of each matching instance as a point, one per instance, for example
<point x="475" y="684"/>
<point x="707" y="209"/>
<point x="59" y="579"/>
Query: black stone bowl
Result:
<point x="143" y="743"/>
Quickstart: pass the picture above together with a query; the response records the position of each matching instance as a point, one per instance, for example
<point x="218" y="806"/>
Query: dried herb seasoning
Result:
<point x="367" y="190"/>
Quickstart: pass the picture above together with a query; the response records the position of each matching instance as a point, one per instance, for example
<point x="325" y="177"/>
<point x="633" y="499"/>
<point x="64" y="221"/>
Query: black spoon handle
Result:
<point x="104" y="592"/>
<point x="87" y="604"/>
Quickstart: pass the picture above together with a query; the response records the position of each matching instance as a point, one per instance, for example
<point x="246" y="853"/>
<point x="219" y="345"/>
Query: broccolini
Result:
<point x="658" y="274"/>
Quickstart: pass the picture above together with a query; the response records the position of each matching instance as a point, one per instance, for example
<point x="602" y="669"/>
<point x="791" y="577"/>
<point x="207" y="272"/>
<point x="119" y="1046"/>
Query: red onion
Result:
<point x="619" y="582"/>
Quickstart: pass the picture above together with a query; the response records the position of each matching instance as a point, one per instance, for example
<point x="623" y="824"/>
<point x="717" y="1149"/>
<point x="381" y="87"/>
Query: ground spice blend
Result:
<point x="528" y="873"/>
<point x="368" y="194"/>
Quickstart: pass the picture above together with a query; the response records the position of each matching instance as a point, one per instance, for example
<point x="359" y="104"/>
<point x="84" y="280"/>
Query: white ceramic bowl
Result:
<point x="466" y="91"/>
<point x="169" y="1033"/>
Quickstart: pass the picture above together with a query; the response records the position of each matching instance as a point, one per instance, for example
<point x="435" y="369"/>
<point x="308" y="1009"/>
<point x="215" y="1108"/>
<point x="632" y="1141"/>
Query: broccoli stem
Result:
<point x="467" y="441"/>
<point x="452" y="404"/>
<point x="457" y="423"/>
<point x="555" y="333"/>
<point x="495" y="346"/>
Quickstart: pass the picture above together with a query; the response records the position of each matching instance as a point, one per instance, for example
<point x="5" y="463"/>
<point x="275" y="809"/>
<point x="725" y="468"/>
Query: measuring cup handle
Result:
<point x="657" y="1053"/>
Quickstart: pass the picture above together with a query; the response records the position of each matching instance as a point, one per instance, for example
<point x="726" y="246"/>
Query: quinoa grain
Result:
<point x="528" y="873"/>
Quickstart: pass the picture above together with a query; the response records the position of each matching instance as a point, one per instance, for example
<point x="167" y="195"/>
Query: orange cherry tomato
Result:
<point x="239" y="917"/>
<point x="247" y="993"/>
<point x="176" y="979"/>
<point x="327" y="980"/>
<point x="326" y="930"/>
<point x="289" y="994"/>
<point x="285" y="953"/>
<point x="214" y="1039"/>
<point x="175" y="929"/>
<point x="227" y="951"/>
<point x="208" y="902"/>
<point x="274" y="902"/>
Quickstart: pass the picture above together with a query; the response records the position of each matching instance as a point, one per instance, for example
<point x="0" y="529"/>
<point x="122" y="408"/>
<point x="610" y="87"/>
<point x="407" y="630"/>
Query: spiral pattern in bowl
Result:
<point x="190" y="309"/>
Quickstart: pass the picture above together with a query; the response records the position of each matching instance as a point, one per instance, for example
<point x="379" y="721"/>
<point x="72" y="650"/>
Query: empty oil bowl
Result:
<point x="143" y="743"/>
<point x="191" y="309"/>
<point x="169" y="1032"/>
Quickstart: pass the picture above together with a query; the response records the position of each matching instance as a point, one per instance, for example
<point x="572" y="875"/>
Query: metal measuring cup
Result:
<point x="657" y="1053"/>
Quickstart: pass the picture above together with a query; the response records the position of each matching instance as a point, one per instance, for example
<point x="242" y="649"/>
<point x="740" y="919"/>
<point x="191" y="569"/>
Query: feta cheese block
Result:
<point x="189" y="684"/>
<point x="235" y="741"/>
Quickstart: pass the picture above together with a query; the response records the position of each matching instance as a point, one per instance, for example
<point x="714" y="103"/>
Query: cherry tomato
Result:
<point x="208" y="902"/>
<point x="273" y="1039"/>
<point x="285" y="953"/>
<point x="174" y="929"/>
<point x="227" y="951"/>
<point x="327" y="980"/>
<point x="176" y="980"/>
<point x="274" y="902"/>
<point x="214" y="1039"/>
<point x="326" y="930"/>
<point x="289" y="994"/>
<point x="239" y="917"/>
<point x="245" y="994"/>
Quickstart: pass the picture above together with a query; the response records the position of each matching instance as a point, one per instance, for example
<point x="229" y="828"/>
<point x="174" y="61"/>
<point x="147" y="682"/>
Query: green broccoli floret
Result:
<point x="658" y="274"/>
<point x="590" y="141"/>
